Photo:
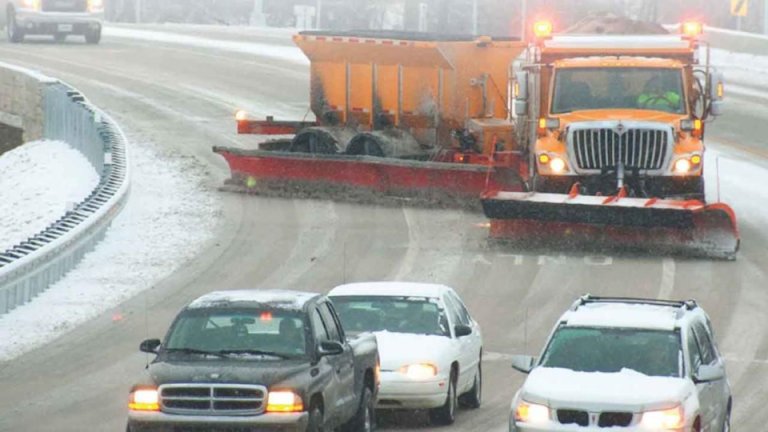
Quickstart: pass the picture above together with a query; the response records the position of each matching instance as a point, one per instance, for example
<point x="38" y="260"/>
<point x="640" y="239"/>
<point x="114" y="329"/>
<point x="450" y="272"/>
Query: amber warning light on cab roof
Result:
<point x="542" y="29"/>
<point x="692" y="29"/>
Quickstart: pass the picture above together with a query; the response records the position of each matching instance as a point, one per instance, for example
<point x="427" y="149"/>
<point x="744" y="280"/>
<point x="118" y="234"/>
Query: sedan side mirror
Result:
<point x="462" y="330"/>
<point x="708" y="373"/>
<point x="330" y="348"/>
<point x="523" y="363"/>
<point x="150" y="346"/>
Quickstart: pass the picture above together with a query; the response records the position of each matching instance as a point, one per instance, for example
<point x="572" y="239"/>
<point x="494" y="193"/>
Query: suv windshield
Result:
<point x="418" y="315"/>
<point x="624" y="88"/>
<point x="279" y="333"/>
<point x="582" y="349"/>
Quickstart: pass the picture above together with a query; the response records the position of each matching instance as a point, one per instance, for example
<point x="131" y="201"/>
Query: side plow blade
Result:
<point x="614" y="223"/>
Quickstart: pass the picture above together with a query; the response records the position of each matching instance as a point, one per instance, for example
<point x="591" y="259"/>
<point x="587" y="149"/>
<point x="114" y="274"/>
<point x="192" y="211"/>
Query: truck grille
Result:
<point x="604" y="147"/>
<point x="64" y="5"/>
<point x="213" y="399"/>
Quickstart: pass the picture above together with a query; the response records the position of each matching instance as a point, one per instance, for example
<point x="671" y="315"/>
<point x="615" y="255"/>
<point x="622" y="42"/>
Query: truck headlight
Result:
<point x="531" y="413"/>
<point x="144" y="399"/>
<point x="419" y="371"/>
<point x="555" y="164"/>
<point x="284" y="401"/>
<point x="664" y="419"/>
<point x="687" y="164"/>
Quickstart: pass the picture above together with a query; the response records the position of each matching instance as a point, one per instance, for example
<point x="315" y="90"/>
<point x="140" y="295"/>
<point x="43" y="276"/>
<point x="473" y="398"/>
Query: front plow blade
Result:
<point x="629" y="224"/>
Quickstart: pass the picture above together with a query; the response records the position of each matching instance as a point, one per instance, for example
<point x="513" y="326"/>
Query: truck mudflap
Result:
<point x="366" y="178"/>
<point x="615" y="223"/>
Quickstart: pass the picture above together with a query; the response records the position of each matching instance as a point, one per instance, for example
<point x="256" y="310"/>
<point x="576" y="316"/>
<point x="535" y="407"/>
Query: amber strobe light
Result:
<point x="542" y="29"/>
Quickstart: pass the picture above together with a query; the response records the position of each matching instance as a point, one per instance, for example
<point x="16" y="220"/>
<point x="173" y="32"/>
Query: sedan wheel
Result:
<point x="446" y="414"/>
<point x="474" y="398"/>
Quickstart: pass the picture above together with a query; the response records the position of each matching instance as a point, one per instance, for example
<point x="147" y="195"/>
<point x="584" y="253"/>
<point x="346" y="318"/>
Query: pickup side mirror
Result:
<point x="330" y="348"/>
<point x="523" y="363"/>
<point x="708" y="373"/>
<point x="462" y="330"/>
<point x="150" y="346"/>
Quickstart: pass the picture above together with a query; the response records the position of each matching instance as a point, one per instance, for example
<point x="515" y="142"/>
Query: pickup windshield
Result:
<point x="584" y="349"/>
<point x="264" y="333"/>
<point x="593" y="88"/>
<point x="418" y="315"/>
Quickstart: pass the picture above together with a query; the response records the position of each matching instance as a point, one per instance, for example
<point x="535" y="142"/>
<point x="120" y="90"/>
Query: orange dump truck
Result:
<point x="570" y="138"/>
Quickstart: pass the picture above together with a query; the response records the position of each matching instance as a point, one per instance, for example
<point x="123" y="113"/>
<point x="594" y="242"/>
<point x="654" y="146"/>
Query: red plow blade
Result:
<point x="343" y="176"/>
<point x="614" y="223"/>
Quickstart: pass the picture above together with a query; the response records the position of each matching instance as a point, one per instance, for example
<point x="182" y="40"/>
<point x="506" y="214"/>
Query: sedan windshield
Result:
<point x="623" y="88"/>
<point x="650" y="352"/>
<point x="394" y="314"/>
<point x="270" y="333"/>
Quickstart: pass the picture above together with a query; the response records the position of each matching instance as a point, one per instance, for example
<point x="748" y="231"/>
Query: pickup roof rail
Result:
<point x="589" y="298"/>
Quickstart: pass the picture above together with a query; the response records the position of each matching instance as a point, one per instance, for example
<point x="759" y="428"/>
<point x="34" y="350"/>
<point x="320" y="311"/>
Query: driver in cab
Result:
<point x="656" y="97"/>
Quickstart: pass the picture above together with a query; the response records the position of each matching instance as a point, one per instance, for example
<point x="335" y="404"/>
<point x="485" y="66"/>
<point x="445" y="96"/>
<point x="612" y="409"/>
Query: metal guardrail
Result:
<point x="33" y="265"/>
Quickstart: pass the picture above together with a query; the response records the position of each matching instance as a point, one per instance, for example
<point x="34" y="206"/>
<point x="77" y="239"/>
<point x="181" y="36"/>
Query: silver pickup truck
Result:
<point x="59" y="18"/>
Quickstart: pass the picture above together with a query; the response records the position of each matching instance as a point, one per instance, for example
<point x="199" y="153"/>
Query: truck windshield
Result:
<point x="257" y="332"/>
<point x="583" y="349"/>
<point x="416" y="315"/>
<point x="656" y="89"/>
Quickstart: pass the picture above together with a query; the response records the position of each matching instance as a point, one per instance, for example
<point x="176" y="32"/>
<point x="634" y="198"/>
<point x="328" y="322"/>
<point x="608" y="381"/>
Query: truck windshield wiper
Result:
<point x="255" y="352"/>
<point x="195" y="351"/>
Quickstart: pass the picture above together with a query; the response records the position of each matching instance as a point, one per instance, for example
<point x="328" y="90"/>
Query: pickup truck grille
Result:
<point x="64" y="5"/>
<point x="213" y="399"/>
<point x="604" y="147"/>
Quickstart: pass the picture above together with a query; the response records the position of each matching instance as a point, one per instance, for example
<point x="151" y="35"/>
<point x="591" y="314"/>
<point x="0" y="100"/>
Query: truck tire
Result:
<point x="474" y="397"/>
<point x="446" y="414"/>
<point x="15" y="34"/>
<point x="93" y="37"/>
<point x="315" y="420"/>
<point x="365" y="417"/>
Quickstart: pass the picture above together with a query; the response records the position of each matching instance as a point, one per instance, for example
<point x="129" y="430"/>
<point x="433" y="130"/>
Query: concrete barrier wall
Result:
<point x="21" y="105"/>
<point x="737" y="41"/>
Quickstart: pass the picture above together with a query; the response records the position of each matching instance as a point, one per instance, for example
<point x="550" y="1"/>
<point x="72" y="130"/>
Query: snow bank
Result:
<point x="149" y="240"/>
<point x="40" y="181"/>
<point x="740" y="68"/>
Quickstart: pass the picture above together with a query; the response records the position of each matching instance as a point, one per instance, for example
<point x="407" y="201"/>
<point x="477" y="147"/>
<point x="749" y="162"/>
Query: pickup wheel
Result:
<point x="93" y="36"/>
<point x="365" y="417"/>
<point x="446" y="414"/>
<point x="315" y="420"/>
<point x="474" y="397"/>
<point x="15" y="34"/>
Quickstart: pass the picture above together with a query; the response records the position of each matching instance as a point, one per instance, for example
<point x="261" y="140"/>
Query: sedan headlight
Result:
<point x="144" y="399"/>
<point x="420" y="371"/>
<point x="664" y="419"/>
<point x="531" y="413"/>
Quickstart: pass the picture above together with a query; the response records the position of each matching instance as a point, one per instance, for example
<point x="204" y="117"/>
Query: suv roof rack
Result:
<point x="589" y="298"/>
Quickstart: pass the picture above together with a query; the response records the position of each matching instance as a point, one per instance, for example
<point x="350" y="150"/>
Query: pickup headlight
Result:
<point x="284" y="402"/>
<point x="664" y="419"/>
<point x="144" y="399"/>
<point x="95" y="5"/>
<point x="419" y="371"/>
<point x="531" y="413"/>
<point x="30" y="4"/>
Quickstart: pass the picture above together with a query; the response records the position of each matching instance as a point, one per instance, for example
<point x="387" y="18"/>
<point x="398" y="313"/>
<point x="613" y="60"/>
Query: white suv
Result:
<point x="627" y="364"/>
<point x="59" y="18"/>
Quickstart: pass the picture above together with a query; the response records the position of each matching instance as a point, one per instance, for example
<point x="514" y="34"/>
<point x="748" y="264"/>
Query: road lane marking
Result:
<point x="667" y="284"/>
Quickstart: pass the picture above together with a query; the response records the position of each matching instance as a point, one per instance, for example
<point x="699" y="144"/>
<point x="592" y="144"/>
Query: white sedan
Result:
<point x="430" y="347"/>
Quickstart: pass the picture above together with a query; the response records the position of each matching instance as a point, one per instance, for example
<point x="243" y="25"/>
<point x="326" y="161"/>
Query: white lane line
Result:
<point x="667" y="279"/>
<point x="409" y="260"/>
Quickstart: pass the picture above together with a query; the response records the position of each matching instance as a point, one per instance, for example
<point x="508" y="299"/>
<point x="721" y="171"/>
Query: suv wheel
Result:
<point x="727" y="421"/>
<point x="15" y="34"/>
<point x="446" y="414"/>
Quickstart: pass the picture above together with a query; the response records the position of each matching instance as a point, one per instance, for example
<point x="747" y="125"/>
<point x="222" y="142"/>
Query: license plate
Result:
<point x="65" y="4"/>
<point x="65" y="28"/>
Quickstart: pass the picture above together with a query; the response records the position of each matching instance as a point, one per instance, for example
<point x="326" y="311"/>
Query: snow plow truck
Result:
<point x="593" y="140"/>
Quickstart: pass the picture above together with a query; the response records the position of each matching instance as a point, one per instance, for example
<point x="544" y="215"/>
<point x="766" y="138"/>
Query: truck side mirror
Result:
<point x="523" y="363"/>
<point x="150" y="346"/>
<point x="330" y="348"/>
<point x="520" y="86"/>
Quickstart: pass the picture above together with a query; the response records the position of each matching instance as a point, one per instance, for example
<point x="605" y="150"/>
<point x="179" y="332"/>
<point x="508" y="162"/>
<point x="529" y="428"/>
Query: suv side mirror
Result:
<point x="150" y="346"/>
<point x="708" y="373"/>
<point x="462" y="330"/>
<point x="330" y="348"/>
<point x="523" y="363"/>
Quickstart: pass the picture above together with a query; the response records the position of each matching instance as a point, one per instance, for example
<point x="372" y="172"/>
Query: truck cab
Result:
<point x="58" y="18"/>
<point x="272" y="360"/>
<point x="613" y="112"/>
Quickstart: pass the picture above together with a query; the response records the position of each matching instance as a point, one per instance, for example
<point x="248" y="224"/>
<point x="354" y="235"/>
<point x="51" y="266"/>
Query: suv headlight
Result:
<point x="665" y="419"/>
<point x="527" y="412"/>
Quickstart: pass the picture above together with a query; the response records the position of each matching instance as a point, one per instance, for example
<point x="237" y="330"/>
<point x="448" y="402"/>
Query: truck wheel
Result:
<point x="315" y="420"/>
<point x="365" y="417"/>
<point x="93" y="36"/>
<point x="15" y="34"/>
<point x="474" y="397"/>
<point x="446" y="414"/>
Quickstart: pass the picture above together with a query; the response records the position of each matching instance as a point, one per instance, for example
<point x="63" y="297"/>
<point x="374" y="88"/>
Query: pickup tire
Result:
<point x="446" y="414"/>
<point x="15" y="34"/>
<point x="474" y="397"/>
<point x="315" y="420"/>
<point x="93" y="37"/>
<point x="365" y="417"/>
